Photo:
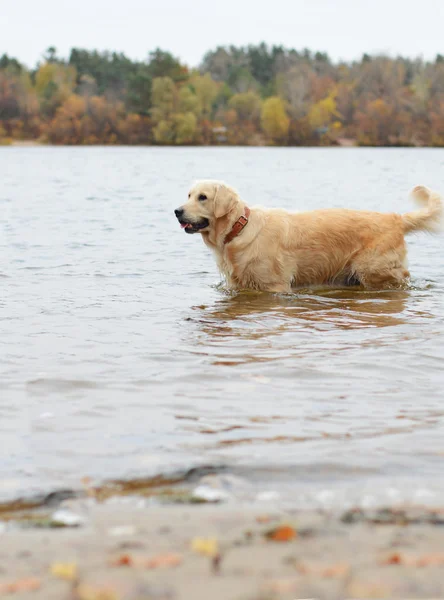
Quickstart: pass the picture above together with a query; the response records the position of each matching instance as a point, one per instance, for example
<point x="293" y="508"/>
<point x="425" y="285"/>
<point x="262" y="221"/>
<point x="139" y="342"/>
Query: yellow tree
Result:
<point x="274" y="120"/>
<point x="323" y="113"/>
<point x="246" y="105"/>
<point x="54" y="83"/>
<point x="206" y="91"/>
<point x="163" y="132"/>
<point x="188" y="101"/>
<point x="185" y="128"/>
<point x="66" y="126"/>
<point x="164" y="101"/>
<point x="163" y="98"/>
<point x="375" y="124"/>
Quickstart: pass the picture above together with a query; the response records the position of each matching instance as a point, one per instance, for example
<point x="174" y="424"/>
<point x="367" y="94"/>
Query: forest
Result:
<point x="255" y="95"/>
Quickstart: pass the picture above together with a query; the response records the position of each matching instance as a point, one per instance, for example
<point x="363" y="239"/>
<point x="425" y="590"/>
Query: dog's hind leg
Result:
<point x="379" y="271"/>
<point x="389" y="278"/>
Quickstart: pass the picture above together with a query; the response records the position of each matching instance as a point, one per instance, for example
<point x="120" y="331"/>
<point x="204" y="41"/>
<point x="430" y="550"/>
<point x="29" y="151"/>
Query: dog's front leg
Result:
<point x="278" y="288"/>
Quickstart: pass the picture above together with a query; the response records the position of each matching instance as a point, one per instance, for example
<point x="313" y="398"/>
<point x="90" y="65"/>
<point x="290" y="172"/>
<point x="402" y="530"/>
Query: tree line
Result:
<point x="255" y="95"/>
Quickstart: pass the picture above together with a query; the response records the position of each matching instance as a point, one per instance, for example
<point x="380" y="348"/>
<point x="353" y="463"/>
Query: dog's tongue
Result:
<point x="185" y="225"/>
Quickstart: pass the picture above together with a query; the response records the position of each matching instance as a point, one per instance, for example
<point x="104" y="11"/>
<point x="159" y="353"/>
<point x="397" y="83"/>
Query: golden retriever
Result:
<point x="274" y="250"/>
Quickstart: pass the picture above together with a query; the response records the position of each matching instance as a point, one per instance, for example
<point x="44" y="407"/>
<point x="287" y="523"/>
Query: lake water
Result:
<point x="121" y="357"/>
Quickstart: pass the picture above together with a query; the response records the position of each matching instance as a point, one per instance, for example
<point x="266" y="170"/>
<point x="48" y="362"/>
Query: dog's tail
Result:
<point x="429" y="218"/>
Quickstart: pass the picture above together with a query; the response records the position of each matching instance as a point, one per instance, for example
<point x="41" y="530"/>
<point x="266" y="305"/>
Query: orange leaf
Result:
<point x="124" y="560"/>
<point x="330" y="571"/>
<point x="393" y="559"/>
<point x="160" y="561"/>
<point x="30" y="584"/>
<point x="431" y="560"/>
<point x="338" y="570"/>
<point x="164" y="561"/>
<point x="283" y="533"/>
<point x="427" y="560"/>
<point x="85" y="591"/>
<point x="263" y="519"/>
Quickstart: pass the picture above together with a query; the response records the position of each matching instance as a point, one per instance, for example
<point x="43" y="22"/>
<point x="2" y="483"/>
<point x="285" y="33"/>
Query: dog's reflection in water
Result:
<point x="250" y="315"/>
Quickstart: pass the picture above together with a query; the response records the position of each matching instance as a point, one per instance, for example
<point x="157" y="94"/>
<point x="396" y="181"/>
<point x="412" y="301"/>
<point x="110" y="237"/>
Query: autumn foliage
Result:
<point x="240" y="96"/>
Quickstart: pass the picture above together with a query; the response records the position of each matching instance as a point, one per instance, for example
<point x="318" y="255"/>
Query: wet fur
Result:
<point x="279" y="250"/>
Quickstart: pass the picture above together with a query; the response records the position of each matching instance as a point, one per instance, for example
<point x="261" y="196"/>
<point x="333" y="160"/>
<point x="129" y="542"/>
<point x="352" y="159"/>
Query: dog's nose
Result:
<point x="178" y="212"/>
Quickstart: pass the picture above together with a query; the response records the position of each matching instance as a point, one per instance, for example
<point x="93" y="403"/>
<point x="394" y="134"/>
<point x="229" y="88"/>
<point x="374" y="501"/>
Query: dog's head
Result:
<point x="207" y="202"/>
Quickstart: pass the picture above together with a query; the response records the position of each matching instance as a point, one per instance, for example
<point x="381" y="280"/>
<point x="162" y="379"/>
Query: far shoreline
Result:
<point x="346" y="143"/>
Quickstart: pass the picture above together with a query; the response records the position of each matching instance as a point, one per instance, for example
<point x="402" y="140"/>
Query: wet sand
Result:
<point x="26" y="143"/>
<point x="128" y="549"/>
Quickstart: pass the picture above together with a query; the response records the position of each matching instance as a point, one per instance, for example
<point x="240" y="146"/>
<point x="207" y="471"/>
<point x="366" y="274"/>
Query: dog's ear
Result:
<point x="224" y="201"/>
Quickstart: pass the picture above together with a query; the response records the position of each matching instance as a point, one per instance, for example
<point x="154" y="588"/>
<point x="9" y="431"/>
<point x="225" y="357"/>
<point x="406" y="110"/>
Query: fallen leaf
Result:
<point x="263" y="519"/>
<point x="30" y="584"/>
<point x="338" y="570"/>
<point x="283" y="533"/>
<point x="84" y="591"/>
<point x="393" y="559"/>
<point x="329" y="571"/>
<point x="124" y="560"/>
<point x="163" y="561"/>
<point x="367" y="589"/>
<point x="66" y="571"/>
<point x="206" y="546"/>
<point x="431" y="560"/>
<point x="435" y="559"/>
<point x="280" y="586"/>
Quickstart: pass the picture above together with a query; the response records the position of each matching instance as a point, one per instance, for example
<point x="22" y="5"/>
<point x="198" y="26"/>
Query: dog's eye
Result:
<point x="202" y="197"/>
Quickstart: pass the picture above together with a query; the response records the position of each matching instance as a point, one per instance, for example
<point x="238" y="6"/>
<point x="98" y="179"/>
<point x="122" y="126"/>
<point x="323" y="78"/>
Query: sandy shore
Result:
<point x="25" y="143"/>
<point x="130" y="549"/>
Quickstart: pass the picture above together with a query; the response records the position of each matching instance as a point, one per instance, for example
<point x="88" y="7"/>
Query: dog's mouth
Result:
<point x="194" y="227"/>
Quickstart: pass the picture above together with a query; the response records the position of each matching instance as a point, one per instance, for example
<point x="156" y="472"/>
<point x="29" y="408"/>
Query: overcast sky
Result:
<point x="188" y="28"/>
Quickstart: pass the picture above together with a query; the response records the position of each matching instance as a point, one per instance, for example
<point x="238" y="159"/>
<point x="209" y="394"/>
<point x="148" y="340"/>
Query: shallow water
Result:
<point x="121" y="357"/>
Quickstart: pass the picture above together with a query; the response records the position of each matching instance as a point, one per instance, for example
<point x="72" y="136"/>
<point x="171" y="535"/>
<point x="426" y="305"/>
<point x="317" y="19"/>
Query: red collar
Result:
<point x="238" y="226"/>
